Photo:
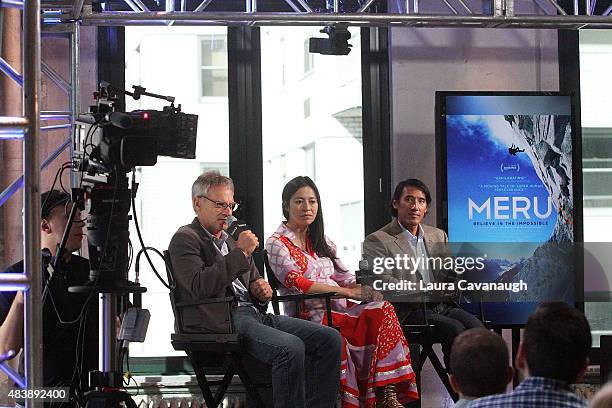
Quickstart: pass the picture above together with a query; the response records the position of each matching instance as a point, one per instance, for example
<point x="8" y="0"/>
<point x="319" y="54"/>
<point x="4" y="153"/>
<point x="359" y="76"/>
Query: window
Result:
<point x="306" y="108"/>
<point x="322" y="143"/>
<point x="596" y="99"/>
<point x="213" y="65"/>
<point x="163" y="201"/>
<point x="308" y="57"/>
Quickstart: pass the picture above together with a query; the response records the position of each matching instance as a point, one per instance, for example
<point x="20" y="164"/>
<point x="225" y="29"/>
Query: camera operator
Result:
<point x="70" y="320"/>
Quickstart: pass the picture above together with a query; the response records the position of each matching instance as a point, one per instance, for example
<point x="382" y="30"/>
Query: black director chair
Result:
<point x="298" y="298"/>
<point x="211" y="350"/>
<point x="420" y="340"/>
<point x="420" y="337"/>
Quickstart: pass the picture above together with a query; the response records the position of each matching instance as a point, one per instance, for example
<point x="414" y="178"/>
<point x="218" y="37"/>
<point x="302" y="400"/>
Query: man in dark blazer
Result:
<point x="407" y="235"/>
<point x="208" y="263"/>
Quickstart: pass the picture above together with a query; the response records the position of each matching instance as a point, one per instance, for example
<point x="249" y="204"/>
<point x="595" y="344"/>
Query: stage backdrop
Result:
<point x="506" y="185"/>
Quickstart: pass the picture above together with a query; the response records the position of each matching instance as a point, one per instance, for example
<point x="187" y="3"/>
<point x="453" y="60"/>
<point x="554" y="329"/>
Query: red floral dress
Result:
<point x="375" y="350"/>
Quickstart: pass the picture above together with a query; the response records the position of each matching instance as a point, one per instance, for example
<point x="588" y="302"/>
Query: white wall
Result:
<point x="425" y="60"/>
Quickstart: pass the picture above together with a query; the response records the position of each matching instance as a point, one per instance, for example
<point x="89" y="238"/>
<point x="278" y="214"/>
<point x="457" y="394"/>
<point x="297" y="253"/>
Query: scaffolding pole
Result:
<point x="120" y="18"/>
<point x="74" y="89"/>
<point x="31" y="199"/>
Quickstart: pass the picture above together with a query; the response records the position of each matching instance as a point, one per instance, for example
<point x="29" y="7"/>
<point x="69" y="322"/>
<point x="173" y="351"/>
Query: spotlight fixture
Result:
<point x="336" y="44"/>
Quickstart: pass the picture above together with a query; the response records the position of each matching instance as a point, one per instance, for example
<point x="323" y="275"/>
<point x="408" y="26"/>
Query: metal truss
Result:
<point x="28" y="128"/>
<point x="548" y="14"/>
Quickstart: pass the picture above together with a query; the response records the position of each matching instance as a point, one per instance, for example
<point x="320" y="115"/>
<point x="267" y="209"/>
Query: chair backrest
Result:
<point x="178" y="322"/>
<point x="272" y="280"/>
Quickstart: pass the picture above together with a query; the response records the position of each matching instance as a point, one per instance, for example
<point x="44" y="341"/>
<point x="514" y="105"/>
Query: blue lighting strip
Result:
<point x="13" y="375"/>
<point x="11" y="3"/>
<point x="12" y="282"/>
<point x="6" y="134"/>
<point x="10" y="71"/>
<point x="52" y="17"/>
<point x="17" y="184"/>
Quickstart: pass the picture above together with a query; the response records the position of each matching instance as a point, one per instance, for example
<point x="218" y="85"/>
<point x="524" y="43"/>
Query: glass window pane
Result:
<point x="155" y="58"/>
<point x="596" y="99"/>
<point x="312" y="127"/>
<point x="214" y="82"/>
<point x="214" y="51"/>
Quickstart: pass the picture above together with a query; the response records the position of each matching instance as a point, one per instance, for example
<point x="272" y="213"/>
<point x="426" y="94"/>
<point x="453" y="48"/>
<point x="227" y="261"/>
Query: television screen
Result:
<point x="507" y="187"/>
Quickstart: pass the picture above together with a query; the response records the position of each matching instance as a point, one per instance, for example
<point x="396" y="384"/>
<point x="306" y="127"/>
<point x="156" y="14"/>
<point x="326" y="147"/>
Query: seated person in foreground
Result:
<point x="479" y="365"/>
<point x="552" y="355"/>
<point x="208" y="263"/>
<point x="603" y="397"/>
<point x="376" y="369"/>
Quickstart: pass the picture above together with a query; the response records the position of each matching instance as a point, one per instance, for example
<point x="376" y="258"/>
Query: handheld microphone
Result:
<point x="235" y="227"/>
<point x="364" y="272"/>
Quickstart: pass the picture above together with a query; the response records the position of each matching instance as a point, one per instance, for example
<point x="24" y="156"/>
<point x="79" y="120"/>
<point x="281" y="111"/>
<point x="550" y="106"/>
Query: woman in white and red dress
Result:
<point x="376" y="369"/>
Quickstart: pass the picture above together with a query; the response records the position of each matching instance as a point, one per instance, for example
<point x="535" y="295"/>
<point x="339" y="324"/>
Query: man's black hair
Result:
<point x="411" y="182"/>
<point x="51" y="199"/>
<point x="479" y="361"/>
<point x="556" y="342"/>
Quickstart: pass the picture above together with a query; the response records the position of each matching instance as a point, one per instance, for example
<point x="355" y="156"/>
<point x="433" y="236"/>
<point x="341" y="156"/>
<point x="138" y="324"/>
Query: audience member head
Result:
<point x="212" y="197"/>
<point x="603" y="397"/>
<point x="55" y="208"/>
<point x="556" y="343"/>
<point x="302" y="209"/>
<point x="479" y="364"/>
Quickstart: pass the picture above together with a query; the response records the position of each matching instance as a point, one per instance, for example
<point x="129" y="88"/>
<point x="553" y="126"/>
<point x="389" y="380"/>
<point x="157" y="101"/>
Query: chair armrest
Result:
<point x="417" y="326"/>
<point x="298" y="297"/>
<point x="206" y="301"/>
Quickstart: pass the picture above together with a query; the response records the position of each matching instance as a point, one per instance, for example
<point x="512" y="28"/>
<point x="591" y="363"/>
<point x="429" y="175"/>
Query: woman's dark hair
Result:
<point x="411" y="182"/>
<point x="316" y="230"/>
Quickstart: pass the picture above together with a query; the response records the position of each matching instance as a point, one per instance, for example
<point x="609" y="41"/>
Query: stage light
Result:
<point x="336" y="44"/>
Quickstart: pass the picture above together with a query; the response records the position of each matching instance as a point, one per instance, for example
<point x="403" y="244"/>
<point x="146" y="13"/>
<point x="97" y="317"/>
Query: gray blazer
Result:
<point x="390" y="241"/>
<point x="202" y="273"/>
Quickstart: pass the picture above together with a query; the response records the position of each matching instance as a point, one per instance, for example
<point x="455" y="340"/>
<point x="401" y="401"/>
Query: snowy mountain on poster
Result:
<point x="509" y="180"/>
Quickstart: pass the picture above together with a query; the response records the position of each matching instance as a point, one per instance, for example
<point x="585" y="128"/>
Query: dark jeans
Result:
<point x="448" y="320"/>
<point x="305" y="356"/>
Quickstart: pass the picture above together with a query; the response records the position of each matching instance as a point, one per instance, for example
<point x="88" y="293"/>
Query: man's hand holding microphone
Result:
<point x="248" y="243"/>
<point x="244" y="237"/>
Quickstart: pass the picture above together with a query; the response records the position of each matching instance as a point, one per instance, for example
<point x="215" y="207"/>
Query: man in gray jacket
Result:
<point x="407" y="235"/>
<point x="207" y="264"/>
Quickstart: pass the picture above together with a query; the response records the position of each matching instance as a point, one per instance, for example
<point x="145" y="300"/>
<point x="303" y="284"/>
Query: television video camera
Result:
<point x="115" y="143"/>
<point x="136" y="138"/>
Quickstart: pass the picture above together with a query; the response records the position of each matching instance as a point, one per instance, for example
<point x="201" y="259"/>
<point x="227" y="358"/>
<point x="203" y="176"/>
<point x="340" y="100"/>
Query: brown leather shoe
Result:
<point x="387" y="398"/>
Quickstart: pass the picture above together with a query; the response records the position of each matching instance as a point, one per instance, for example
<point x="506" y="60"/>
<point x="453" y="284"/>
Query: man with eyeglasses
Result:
<point x="407" y="235"/>
<point x="208" y="263"/>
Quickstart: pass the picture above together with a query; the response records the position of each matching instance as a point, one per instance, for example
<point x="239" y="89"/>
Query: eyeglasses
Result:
<point x="220" y="205"/>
